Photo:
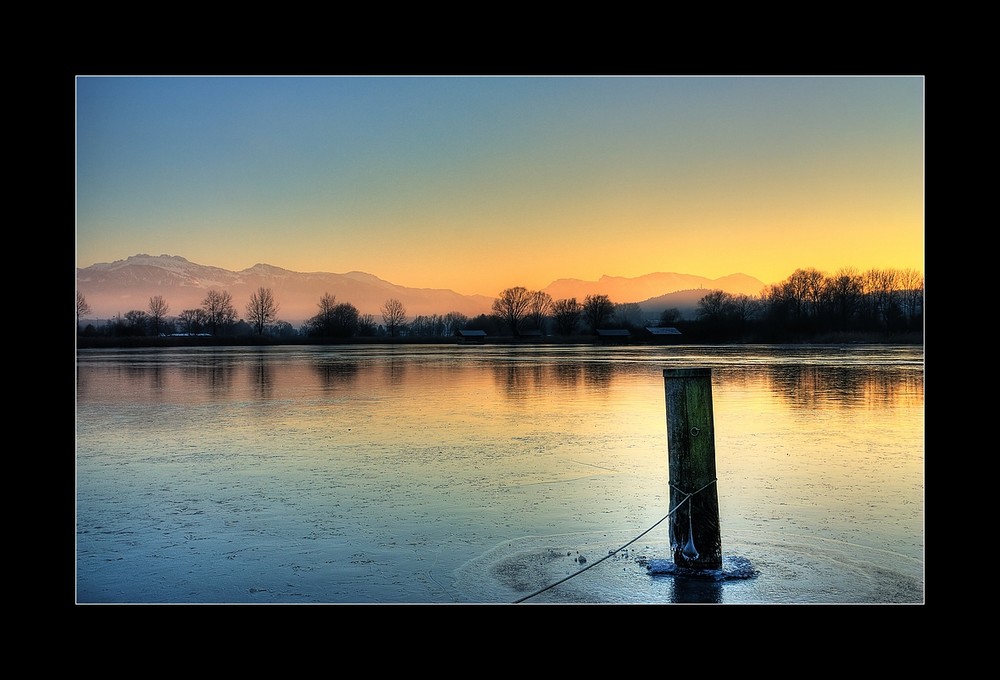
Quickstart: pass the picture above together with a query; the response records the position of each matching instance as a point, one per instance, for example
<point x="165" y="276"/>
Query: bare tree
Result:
<point x="843" y="294"/>
<point x="629" y="314"/>
<point x="911" y="284"/>
<point x="880" y="290"/>
<point x="136" y="322"/>
<point x="453" y="321"/>
<point x="512" y="306"/>
<point x="261" y="309"/>
<point x="745" y="308"/>
<point x="670" y="316"/>
<point x="393" y="315"/>
<point x="158" y="309"/>
<point x="538" y="308"/>
<point x="367" y="326"/>
<point x="714" y="306"/>
<point x="82" y="307"/>
<point x="346" y="320"/>
<point x="566" y="314"/>
<point x="323" y="323"/>
<point x="597" y="309"/>
<point x="192" y="320"/>
<point x="219" y="310"/>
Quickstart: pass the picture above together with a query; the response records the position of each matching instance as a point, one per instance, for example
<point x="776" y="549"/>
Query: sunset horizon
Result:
<point x="477" y="184"/>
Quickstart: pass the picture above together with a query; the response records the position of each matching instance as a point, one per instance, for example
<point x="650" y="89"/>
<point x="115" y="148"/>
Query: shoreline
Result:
<point x="99" y="342"/>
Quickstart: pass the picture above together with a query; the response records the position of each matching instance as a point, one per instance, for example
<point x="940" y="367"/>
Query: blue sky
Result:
<point x="482" y="183"/>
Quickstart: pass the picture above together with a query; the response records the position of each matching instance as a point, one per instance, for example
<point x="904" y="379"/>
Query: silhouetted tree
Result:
<point x="453" y="321"/>
<point x="82" y="307"/>
<point x="191" y="321"/>
<point x="669" y="317"/>
<point x="512" y="306"/>
<point x="880" y="290"/>
<point x="629" y="315"/>
<point x="911" y="285"/>
<point x="566" y="314"/>
<point x="261" y="309"/>
<point x="597" y="309"/>
<point x="136" y="322"/>
<point x="393" y="315"/>
<point x="843" y="296"/>
<point x="283" y="329"/>
<point x="744" y="309"/>
<point x="712" y="307"/>
<point x="345" y="320"/>
<point x="158" y="309"/>
<point x="219" y="311"/>
<point x="323" y="323"/>
<point x="489" y="323"/>
<point x="367" y="326"/>
<point x="539" y="305"/>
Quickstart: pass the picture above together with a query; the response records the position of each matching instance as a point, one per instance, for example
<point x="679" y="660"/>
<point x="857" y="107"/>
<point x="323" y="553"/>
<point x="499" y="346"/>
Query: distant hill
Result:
<point x="684" y="301"/>
<point x="124" y="285"/>
<point x="622" y="289"/>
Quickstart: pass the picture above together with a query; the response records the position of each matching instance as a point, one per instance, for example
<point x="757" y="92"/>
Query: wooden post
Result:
<point x="695" y="536"/>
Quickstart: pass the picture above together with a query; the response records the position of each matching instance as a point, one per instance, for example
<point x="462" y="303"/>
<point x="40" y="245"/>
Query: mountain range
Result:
<point x="118" y="287"/>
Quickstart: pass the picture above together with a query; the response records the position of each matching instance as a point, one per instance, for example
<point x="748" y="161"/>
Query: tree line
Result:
<point x="808" y="304"/>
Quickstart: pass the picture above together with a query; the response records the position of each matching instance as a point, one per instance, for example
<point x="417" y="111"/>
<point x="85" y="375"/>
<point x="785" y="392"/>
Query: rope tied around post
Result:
<point x="687" y="496"/>
<point x="618" y="550"/>
<point x="690" y="551"/>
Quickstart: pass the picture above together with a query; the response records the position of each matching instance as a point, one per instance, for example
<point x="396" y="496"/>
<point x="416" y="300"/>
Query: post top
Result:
<point x="686" y="372"/>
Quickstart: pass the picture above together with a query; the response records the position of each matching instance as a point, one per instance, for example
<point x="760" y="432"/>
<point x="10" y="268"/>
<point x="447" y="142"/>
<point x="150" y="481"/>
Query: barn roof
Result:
<point x="663" y="330"/>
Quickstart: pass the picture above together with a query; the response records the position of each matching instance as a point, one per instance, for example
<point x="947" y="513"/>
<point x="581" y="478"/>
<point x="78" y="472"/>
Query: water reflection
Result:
<point x="215" y="374"/>
<point x="262" y="375"/>
<point x="518" y="381"/>
<point x="597" y="376"/>
<point x="523" y="380"/>
<point x="394" y="370"/>
<point x="829" y="386"/>
<point x="334" y="373"/>
<point x="362" y="464"/>
<point x="567" y="375"/>
<point x="517" y="376"/>
<point x="692" y="590"/>
<point x="843" y="387"/>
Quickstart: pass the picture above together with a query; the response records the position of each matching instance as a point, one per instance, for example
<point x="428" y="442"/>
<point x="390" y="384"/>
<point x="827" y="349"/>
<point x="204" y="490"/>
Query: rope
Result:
<point x="687" y="498"/>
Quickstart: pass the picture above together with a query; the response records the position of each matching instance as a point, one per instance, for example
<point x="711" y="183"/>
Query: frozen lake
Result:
<point x="484" y="474"/>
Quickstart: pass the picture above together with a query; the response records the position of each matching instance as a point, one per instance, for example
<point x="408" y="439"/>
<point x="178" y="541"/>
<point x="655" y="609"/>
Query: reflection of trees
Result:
<point x="884" y="388"/>
<point x="841" y="386"/>
<point x="216" y="373"/>
<point x="395" y="370"/>
<point x="567" y="375"/>
<point x="519" y="379"/>
<point x="156" y="377"/>
<point x="522" y="379"/>
<point x="262" y="375"/>
<point x="334" y="373"/>
<point x="598" y="375"/>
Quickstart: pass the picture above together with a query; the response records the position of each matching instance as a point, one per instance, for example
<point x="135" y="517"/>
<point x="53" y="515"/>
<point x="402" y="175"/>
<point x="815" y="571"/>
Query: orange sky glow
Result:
<point x="482" y="183"/>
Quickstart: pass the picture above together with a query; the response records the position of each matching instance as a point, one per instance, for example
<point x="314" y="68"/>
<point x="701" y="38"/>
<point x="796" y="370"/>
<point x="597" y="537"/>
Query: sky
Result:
<point x="477" y="184"/>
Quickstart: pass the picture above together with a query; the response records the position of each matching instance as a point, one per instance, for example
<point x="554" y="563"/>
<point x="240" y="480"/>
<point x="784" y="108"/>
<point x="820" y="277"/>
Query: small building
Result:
<point x="471" y="336"/>
<point x="663" y="333"/>
<point x="613" y="335"/>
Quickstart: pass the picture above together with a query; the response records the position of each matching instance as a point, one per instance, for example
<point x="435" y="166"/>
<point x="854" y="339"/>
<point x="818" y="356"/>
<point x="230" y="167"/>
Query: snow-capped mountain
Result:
<point x="124" y="285"/>
<point x="120" y="286"/>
